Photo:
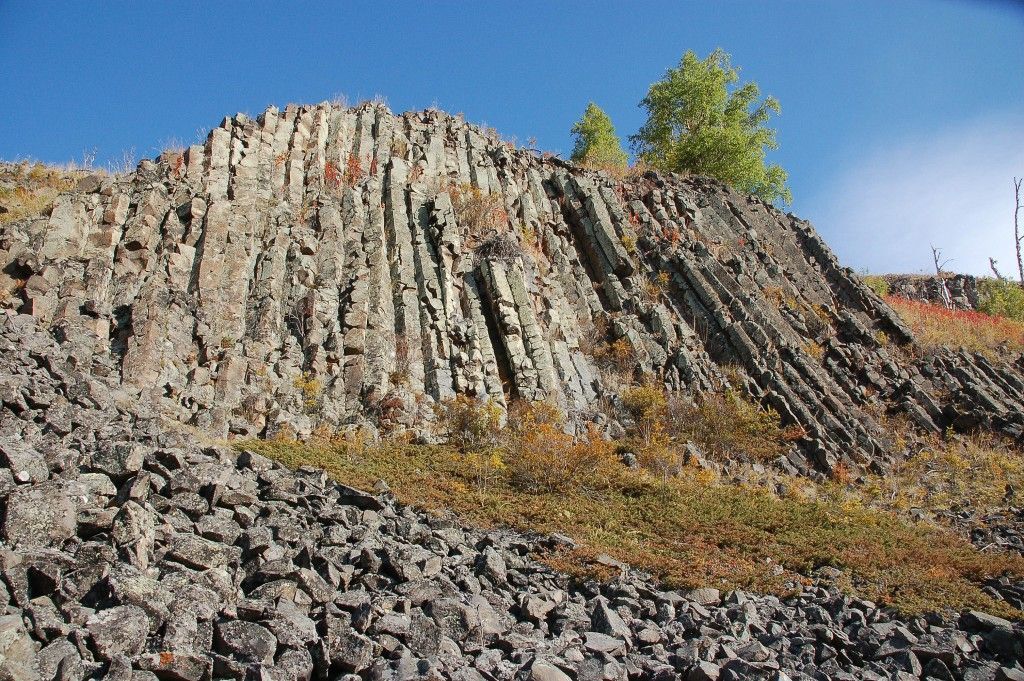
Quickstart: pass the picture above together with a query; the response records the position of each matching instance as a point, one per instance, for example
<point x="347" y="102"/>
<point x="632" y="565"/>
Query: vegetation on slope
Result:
<point x="936" y="327"/>
<point x="29" y="189"/>
<point x="688" y="529"/>
<point x="1001" y="297"/>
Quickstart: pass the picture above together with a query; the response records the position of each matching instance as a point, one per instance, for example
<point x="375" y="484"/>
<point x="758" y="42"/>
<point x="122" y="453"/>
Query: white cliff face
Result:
<point x="311" y="267"/>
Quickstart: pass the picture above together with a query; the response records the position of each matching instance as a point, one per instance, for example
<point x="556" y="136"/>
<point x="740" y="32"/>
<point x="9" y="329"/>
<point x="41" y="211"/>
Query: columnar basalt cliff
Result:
<point x="316" y="267"/>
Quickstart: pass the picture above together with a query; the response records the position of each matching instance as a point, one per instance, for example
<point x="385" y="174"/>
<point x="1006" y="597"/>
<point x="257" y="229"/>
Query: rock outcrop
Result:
<point x="324" y="267"/>
<point x="131" y="551"/>
<point x="962" y="289"/>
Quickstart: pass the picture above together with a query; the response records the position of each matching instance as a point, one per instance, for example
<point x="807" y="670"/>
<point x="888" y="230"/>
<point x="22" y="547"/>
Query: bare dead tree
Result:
<point x="940" y="277"/>
<point x="992" y="262"/>
<point x="1017" y="236"/>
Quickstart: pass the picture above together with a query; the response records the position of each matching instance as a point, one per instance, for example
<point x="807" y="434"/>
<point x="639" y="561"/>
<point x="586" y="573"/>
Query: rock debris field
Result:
<point x="131" y="552"/>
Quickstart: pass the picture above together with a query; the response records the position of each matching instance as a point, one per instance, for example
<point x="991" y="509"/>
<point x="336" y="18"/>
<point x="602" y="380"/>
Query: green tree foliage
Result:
<point x="1001" y="297"/>
<point x="597" y="145"/>
<point x="701" y="120"/>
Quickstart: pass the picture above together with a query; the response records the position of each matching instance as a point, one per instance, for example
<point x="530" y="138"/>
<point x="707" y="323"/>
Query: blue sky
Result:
<point x="902" y="121"/>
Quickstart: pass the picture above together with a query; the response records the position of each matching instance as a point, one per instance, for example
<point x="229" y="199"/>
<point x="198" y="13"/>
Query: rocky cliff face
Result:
<point x="321" y="266"/>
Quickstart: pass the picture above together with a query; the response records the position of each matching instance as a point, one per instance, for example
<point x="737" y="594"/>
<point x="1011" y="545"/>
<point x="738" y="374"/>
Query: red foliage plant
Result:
<point x="937" y="326"/>
<point x="331" y="174"/>
<point x="353" y="170"/>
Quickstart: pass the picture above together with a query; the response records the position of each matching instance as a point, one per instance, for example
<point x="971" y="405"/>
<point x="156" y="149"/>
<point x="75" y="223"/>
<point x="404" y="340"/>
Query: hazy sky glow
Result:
<point x="902" y="122"/>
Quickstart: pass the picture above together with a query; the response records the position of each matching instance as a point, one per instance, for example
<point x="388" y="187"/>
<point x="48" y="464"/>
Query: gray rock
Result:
<point x="703" y="671"/>
<point x="602" y="643"/>
<point x="606" y="621"/>
<point x="201" y="554"/>
<point x="42" y="515"/>
<point x="246" y="641"/>
<point x="349" y="650"/>
<point x="18" y="661"/>
<point x="26" y="464"/>
<point x="541" y="670"/>
<point x="118" y="631"/>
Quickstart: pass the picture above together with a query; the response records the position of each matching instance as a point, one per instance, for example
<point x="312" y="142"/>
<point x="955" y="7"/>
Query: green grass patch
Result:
<point x="689" y="531"/>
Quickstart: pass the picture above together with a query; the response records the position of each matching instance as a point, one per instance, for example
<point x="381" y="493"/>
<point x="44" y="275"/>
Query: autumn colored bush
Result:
<point x="470" y="424"/>
<point x="476" y="211"/>
<point x="656" y="449"/>
<point x="29" y="189"/>
<point x="474" y="428"/>
<point x="353" y="171"/>
<point x="727" y="426"/>
<point x="618" y="357"/>
<point x="975" y="473"/>
<point x="935" y="327"/>
<point x="540" y="457"/>
<point x="331" y="175"/>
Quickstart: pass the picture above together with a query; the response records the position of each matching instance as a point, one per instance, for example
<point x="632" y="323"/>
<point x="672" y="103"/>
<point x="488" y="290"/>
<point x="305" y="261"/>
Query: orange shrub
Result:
<point x="542" y="458"/>
<point x="331" y="175"/>
<point x="936" y="327"/>
<point x="728" y="426"/>
<point x="353" y="170"/>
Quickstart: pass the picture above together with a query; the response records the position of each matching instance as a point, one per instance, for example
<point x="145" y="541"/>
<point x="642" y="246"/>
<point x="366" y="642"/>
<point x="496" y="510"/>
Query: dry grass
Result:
<point x="29" y="189"/>
<point x="728" y="426"/>
<point x="970" y="474"/>
<point x="689" y="531"/>
<point x="936" y="327"/>
<point x="477" y="212"/>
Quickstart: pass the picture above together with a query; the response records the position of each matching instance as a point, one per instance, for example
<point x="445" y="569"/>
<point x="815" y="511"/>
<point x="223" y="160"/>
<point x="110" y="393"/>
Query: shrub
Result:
<point x="470" y="424"/>
<point x="977" y="474"/>
<point x="29" y="190"/>
<point x="478" y="212"/>
<point x="311" y="389"/>
<point x="353" y="171"/>
<point x="877" y="284"/>
<point x="1001" y="298"/>
<point x="540" y="457"/>
<point x="935" y="326"/>
<point x="618" y="356"/>
<point x="331" y="175"/>
<point x="647" y="406"/>
<point x="727" y="425"/>
<point x="473" y="427"/>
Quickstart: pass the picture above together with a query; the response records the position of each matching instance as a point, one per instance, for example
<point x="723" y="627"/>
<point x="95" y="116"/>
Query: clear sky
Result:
<point x="902" y="121"/>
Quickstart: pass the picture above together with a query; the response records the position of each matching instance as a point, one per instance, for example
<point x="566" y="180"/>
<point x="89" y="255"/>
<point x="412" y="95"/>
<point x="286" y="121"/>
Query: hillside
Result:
<point x="324" y="267"/>
<point x="131" y="551"/>
<point x="348" y="394"/>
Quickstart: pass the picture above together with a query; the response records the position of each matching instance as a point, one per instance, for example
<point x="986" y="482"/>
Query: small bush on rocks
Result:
<point x="727" y="426"/>
<point x="476" y="211"/>
<point x="877" y="284"/>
